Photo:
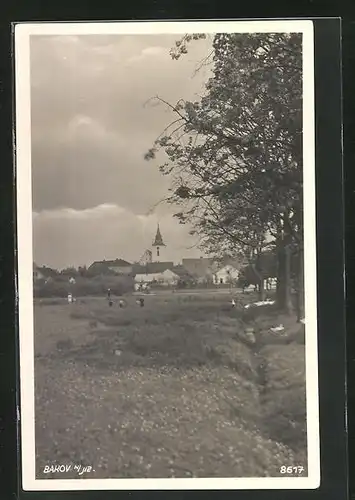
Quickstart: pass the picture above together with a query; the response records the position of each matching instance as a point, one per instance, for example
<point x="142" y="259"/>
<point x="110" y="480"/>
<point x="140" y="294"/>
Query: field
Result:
<point x="173" y="389"/>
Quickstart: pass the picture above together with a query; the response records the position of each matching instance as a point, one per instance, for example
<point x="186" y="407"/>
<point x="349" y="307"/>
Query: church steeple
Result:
<point x="157" y="244"/>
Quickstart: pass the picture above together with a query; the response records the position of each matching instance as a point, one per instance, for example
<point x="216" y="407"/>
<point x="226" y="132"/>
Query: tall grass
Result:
<point x="181" y="359"/>
<point x="197" y="331"/>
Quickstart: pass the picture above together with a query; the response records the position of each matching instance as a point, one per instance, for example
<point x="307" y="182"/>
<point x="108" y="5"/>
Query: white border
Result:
<point x="24" y="234"/>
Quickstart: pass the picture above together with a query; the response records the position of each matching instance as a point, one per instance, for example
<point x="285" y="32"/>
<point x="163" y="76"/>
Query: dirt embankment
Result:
<point x="279" y="361"/>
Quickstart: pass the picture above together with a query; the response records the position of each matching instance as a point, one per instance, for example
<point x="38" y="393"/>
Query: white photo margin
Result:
<point x="23" y="32"/>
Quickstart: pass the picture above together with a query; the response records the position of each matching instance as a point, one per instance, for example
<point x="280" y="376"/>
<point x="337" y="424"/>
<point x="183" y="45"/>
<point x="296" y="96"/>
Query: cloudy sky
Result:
<point x="91" y="125"/>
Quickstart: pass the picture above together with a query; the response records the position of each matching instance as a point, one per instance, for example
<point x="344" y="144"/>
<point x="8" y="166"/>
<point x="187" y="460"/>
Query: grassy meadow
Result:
<point x="173" y="389"/>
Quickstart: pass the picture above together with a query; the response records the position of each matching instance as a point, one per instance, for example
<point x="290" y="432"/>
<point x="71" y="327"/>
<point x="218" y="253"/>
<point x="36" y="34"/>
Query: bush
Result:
<point x="51" y="289"/>
<point x="97" y="286"/>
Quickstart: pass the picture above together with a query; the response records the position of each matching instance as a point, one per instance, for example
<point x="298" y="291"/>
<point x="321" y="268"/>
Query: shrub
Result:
<point x="119" y="285"/>
<point x="51" y="289"/>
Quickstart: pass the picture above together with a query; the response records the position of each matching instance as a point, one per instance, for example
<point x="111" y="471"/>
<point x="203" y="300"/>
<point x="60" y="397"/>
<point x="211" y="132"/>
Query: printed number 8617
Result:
<point x="291" y="469"/>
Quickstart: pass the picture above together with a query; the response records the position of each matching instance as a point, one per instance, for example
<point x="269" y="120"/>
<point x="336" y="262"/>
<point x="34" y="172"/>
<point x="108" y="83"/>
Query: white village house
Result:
<point x="165" y="278"/>
<point x="43" y="273"/>
<point x="152" y="268"/>
<point x="227" y="274"/>
<point x="201" y="269"/>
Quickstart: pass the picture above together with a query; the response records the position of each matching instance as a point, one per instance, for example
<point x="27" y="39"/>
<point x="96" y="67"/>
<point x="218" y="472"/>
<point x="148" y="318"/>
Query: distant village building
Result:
<point x="185" y="278"/>
<point x="152" y="267"/>
<point x="146" y="258"/>
<point x="43" y="273"/>
<point x="266" y="263"/>
<point x="202" y="269"/>
<point x="227" y="274"/>
<point x="120" y="266"/>
<point x="38" y="274"/>
<point x="270" y="284"/>
<point x="158" y="247"/>
<point x="117" y="266"/>
<point x="165" y="278"/>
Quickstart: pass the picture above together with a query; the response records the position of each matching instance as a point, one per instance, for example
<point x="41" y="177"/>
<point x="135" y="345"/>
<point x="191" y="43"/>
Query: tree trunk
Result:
<point x="283" y="288"/>
<point x="300" y="285"/>
<point x="288" y="296"/>
<point x="280" y="285"/>
<point x="260" y="278"/>
<point x="261" y="289"/>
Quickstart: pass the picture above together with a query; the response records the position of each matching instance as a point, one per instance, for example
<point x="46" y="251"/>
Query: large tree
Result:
<point x="235" y="155"/>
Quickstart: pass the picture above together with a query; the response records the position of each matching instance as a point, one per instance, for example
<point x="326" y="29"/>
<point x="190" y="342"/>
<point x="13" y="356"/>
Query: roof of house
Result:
<point x="237" y="263"/>
<point x="226" y="268"/>
<point x="167" y="272"/>
<point x="198" y="267"/>
<point x="111" y="263"/>
<point x="181" y="271"/>
<point x="46" y="271"/>
<point x="152" y="267"/>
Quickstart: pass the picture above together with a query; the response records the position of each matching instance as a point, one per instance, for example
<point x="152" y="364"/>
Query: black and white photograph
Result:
<point x="167" y="255"/>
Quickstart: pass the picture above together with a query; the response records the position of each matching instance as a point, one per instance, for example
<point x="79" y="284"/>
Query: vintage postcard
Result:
<point x="167" y="255"/>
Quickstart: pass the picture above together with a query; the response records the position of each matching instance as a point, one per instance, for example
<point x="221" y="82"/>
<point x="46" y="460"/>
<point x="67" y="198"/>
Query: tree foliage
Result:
<point x="235" y="155"/>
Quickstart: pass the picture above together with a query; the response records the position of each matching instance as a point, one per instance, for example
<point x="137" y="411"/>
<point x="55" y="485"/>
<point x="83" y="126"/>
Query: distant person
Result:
<point x="109" y="293"/>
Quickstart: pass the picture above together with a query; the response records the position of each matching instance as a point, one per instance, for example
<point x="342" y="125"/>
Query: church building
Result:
<point x="158" y="246"/>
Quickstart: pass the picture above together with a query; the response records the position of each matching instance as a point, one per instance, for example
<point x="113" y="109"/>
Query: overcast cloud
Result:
<point x="91" y="125"/>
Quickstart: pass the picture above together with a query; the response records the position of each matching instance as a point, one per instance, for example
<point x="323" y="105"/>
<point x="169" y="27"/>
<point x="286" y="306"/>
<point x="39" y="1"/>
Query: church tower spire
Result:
<point x="157" y="245"/>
